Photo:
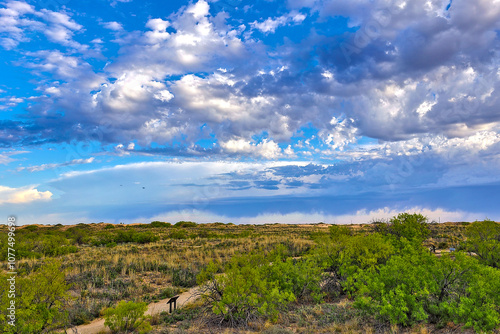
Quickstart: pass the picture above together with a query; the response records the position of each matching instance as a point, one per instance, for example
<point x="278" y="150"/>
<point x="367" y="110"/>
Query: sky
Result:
<point x="292" y="111"/>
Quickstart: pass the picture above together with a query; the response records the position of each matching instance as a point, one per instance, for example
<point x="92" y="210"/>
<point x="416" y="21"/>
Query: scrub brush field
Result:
<point x="395" y="276"/>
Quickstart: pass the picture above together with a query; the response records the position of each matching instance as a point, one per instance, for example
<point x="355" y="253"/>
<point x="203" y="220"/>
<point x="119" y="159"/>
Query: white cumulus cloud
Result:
<point x="22" y="195"/>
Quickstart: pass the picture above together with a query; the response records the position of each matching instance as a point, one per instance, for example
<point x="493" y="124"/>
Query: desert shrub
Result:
<point x="110" y="239"/>
<point x="300" y="277"/>
<point x="31" y="228"/>
<point x="259" y="285"/>
<point x="415" y="286"/>
<point x="41" y="299"/>
<point x="483" y="238"/>
<point x="159" y="224"/>
<point x="398" y="291"/>
<point x="412" y="227"/>
<point x="178" y="234"/>
<point x="84" y="310"/>
<point x="187" y="313"/>
<point x="244" y="292"/>
<point x="168" y="292"/>
<point x="479" y="306"/>
<point x="442" y="245"/>
<point x="184" y="277"/>
<point x="52" y="245"/>
<point x="127" y="317"/>
<point x="139" y="226"/>
<point x="343" y="256"/>
<point x="206" y="234"/>
<point x="339" y="232"/>
<point x="185" y="224"/>
<point x="37" y="245"/>
<point x="145" y="237"/>
<point x="80" y="235"/>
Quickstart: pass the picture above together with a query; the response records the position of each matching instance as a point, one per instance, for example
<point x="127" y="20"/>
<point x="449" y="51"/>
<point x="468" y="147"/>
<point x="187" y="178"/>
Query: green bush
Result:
<point x="184" y="277"/>
<point x="30" y="228"/>
<point x="258" y="285"/>
<point x="127" y="317"/>
<point x="168" y="292"/>
<point x="413" y="227"/>
<point x="41" y="300"/>
<point x="125" y="236"/>
<point x="244" y="292"/>
<point x="207" y="234"/>
<point x="159" y="224"/>
<point x="185" y="224"/>
<point x="398" y="290"/>
<point x="343" y="256"/>
<point x="145" y="237"/>
<point x="186" y="313"/>
<point x="415" y="286"/>
<point x="178" y="234"/>
<point x="442" y="245"/>
<point x="339" y="232"/>
<point x="36" y="245"/>
<point x="300" y="277"/>
<point x="79" y="235"/>
<point x="483" y="238"/>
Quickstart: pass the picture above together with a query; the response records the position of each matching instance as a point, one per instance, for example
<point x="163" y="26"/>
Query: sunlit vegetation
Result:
<point x="385" y="276"/>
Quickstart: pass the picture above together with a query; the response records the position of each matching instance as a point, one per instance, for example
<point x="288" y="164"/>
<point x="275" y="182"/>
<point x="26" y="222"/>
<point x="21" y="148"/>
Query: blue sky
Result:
<point x="249" y="111"/>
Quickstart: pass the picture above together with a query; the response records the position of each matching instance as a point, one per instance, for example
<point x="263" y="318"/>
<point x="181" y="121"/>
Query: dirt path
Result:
<point x="97" y="325"/>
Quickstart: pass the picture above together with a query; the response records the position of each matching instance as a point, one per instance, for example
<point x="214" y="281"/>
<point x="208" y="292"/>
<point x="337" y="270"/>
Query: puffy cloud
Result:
<point x="266" y="149"/>
<point x="18" y="18"/>
<point x="157" y="24"/>
<point x="115" y="26"/>
<point x="9" y="102"/>
<point x="451" y="100"/>
<point x="341" y="135"/>
<point x="412" y="71"/>
<point x="199" y="9"/>
<point x="62" y="66"/>
<point x="271" y="24"/>
<point x="22" y="195"/>
<point x="12" y="23"/>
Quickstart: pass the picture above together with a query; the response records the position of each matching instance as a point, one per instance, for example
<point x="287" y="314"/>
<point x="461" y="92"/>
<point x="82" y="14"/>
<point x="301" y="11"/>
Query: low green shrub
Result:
<point x="168" y="292"/>
<point x="127" y="317"/>
<point x="258" y="285"/>
<point x="184" y="277"/>
<point x="178" y="234"/>
<point x="185" y="224"/>
<point x="41" y="300"/>
<point x="159" y="224"/>
<point x="417" y="287"/>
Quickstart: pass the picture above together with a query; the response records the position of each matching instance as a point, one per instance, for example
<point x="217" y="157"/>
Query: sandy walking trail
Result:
<point x="97" y="325"/>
